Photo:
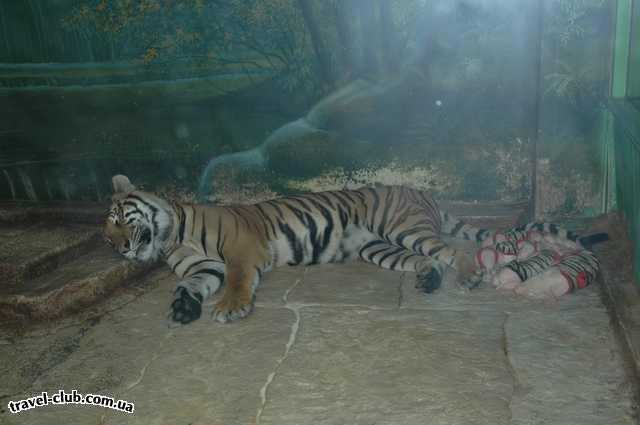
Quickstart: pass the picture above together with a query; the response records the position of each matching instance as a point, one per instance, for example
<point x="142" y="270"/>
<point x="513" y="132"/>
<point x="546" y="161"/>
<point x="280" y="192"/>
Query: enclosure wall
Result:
<point x="237" y="101"/>
<point x="627" y="144"/>
<point x="624" y="109"/>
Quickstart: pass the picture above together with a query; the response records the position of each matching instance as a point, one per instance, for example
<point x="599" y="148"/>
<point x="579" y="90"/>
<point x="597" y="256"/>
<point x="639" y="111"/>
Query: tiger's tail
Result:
<point x="586" y="241"/>
<point x="543" y="227"/>
<point x="457" y="228"/>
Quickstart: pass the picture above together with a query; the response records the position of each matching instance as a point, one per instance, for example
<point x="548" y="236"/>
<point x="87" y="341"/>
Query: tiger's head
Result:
<point x="138" y="223"/>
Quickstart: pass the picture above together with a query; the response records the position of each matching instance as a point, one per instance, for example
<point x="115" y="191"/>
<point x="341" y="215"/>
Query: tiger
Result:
<point x="518" y="271"/>
<point x="210" y="247"/>
<point x="573" y="271"/>
<point x="507" y="240"/>
<point x="501" y="256"/>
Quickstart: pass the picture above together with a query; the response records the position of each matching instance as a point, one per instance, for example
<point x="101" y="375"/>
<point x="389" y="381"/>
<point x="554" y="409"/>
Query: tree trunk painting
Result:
<point x="324" y="62"/>
<point x="343" y="17"/>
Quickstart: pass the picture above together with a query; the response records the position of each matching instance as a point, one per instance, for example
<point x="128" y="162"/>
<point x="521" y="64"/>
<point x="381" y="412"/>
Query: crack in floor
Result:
<point x="400" y="294"/>
<point x="133" y="384"/>
<point x="509" y="364"/>
<point x="295" y="308"/>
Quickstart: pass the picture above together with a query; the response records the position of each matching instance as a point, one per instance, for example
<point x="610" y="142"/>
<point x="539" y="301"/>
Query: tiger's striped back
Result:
<point x="328" y="226"/>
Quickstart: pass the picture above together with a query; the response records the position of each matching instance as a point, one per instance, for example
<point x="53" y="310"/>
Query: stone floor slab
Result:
<point x="277" y="283"/>
<point x="355" y="283"/>
<point x="337" y="350"/>
<point x="203" y="373"/>
<point x="361" y="366"/>
<point x="568" y="369"/>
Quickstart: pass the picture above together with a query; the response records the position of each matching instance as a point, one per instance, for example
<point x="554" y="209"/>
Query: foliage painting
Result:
<point x="421" y="82"/>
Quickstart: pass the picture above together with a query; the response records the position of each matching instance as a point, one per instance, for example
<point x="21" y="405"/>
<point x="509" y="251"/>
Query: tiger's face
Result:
<point x="136" y="222"/>
<point x="129" y="233"/>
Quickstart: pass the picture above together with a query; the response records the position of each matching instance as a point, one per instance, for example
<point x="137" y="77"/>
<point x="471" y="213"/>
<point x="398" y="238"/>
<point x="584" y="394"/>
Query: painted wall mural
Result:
<point x="237" y="100"/>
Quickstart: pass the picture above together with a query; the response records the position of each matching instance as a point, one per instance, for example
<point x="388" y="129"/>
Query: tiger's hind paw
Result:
<point x="465" y="266"/>
<point x="226" y="311"/>
<point x="186" y="307"/>
<point x="473" y="281"/>
<point x="429" y="281"/>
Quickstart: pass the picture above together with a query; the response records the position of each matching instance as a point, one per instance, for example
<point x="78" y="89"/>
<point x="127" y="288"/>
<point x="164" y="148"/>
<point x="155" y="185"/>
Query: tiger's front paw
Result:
<point x="186" y="307"/>
<point x="230" y="309"/>
<point x="429" y="281"/>
<point x="473" y="281"/>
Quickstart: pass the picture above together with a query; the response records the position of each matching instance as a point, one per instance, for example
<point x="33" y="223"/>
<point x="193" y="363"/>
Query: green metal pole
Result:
<point x="607" y="163"/>
<point x="621" y="48"/>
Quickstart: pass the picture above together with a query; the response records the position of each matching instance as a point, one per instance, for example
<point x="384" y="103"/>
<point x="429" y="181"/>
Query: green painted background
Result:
<point x="289" y="95"/>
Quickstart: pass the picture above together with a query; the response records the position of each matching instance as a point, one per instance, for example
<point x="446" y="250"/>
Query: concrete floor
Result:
<point x="334" y="344"/>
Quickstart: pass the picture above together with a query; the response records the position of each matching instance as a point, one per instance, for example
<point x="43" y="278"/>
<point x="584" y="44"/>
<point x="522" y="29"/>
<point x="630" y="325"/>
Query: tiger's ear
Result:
<point x="121" y="184"/>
